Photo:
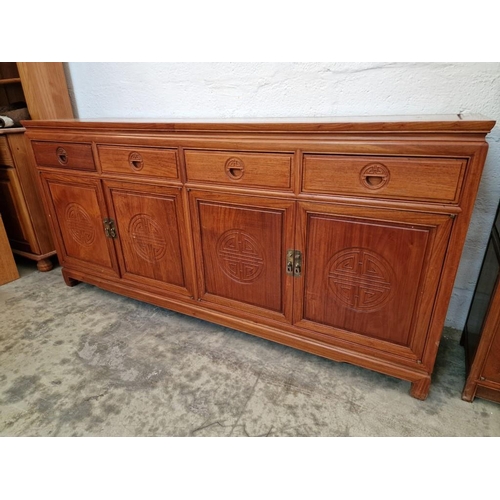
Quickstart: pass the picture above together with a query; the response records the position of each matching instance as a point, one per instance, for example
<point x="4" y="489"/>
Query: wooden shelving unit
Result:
<point x="10" y="81"/>
<point x="43" y="87"/>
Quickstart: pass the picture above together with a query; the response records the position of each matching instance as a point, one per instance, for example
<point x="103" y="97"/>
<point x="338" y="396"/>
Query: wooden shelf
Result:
<point x="9" y="81"/>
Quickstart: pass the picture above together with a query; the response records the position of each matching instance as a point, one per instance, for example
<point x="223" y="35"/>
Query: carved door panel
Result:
<point x="151" y="235"/>
<point x="77" y="209"/>
<point x="370" y="275"/>
<point x="241" y="244"/>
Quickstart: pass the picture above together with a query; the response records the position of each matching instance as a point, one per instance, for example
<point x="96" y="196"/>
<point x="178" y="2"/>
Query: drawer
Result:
<point x="431" y="179"/>
<point x="267" y="170"/>
<point x="152" y="162"/>
<point x="64" y="155"/>
<point x="5" y="156"/>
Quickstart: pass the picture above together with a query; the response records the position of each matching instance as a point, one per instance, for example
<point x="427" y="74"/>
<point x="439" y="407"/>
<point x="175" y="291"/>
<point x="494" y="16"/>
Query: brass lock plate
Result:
<point x="293" y="263"/>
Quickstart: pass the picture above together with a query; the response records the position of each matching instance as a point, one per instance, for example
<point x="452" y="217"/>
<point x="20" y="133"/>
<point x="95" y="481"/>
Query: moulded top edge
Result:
<point x="12" y="130"/>
<point x="409" y="123"/>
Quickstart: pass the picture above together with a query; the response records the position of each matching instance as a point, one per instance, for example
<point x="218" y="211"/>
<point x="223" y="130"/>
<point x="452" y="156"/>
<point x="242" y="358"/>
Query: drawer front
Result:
<point x="141" y="161"/>
<point x="267" y="170"/>
<point x="5" y="156"/>
<point x="64" y="155"/>
<point x="431" y="179"/>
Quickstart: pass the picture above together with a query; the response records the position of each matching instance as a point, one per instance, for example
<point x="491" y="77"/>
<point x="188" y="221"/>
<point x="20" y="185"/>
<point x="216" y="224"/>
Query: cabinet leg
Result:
<point x="44" y="265"/>
<point x="69" y="281"/>
<point x="469" y="392"/>
<point x="420" y="389"/>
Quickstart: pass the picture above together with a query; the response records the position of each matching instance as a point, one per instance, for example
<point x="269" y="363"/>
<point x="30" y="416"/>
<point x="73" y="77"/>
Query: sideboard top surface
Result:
<point x="380" y="124"/>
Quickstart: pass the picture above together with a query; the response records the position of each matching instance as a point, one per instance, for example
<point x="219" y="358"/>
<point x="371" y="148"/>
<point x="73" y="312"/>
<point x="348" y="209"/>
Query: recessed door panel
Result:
<point x="149" y="224"/>
<point x="241" y="246"/>
<point x="370" y="278"/>
<point x="491" y="369"/>
<point x="369" y="274"/>
<point x="78" y="206"/>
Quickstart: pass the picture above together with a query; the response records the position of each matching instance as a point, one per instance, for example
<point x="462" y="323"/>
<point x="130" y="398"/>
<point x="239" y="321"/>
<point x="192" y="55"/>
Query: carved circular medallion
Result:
<point x="375" y="176"/>
<point x="135" y="161"/>
<point x="147" y="238"/>
<point x="62" y="156"/>
<point x="360" y="279"/>
<point x="235" y="168"/>
<point x="240" y="256"/>
<point x="79" y="224"/>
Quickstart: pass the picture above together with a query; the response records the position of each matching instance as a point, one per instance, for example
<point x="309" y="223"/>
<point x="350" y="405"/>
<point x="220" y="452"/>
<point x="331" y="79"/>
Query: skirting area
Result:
<point x="84" y="362"/>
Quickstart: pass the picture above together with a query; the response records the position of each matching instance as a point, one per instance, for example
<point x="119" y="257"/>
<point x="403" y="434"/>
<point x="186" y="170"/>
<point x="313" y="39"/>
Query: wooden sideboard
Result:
<point x="481" y="335"/>
<point x="340" y="237"/>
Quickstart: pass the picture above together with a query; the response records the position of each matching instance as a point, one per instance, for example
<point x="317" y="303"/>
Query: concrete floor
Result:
<point x="84" y="362"/>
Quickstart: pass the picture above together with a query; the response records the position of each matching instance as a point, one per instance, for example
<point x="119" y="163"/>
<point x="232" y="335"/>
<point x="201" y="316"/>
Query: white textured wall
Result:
<point x="155" y="90"/>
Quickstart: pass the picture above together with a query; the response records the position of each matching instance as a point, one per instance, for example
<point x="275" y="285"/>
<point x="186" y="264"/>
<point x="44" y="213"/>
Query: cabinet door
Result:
<point x="491" y="369"/>
<point x="483" y="322"/>
<point x="15" y="213"/>
<point x="241" y="244"/>
<point x="370" y="275"/>
<point x="151" y="239"/>
<point x="77" y="208"/>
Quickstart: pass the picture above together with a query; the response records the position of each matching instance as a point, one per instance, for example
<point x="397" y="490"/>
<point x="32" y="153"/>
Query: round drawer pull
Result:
<point x="375" y="176"/>
<point x="136" y="162"/>
<point x="235" y="168"/>
<point x="62" y="156"/>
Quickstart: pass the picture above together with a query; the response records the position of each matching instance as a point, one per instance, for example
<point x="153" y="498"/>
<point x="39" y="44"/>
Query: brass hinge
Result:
<point x="109" y="228"/>
<point x="293" y="263"/>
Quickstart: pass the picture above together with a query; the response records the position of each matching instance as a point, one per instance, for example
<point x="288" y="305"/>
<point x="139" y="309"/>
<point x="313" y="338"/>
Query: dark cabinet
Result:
<point x="481" y="336"/>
